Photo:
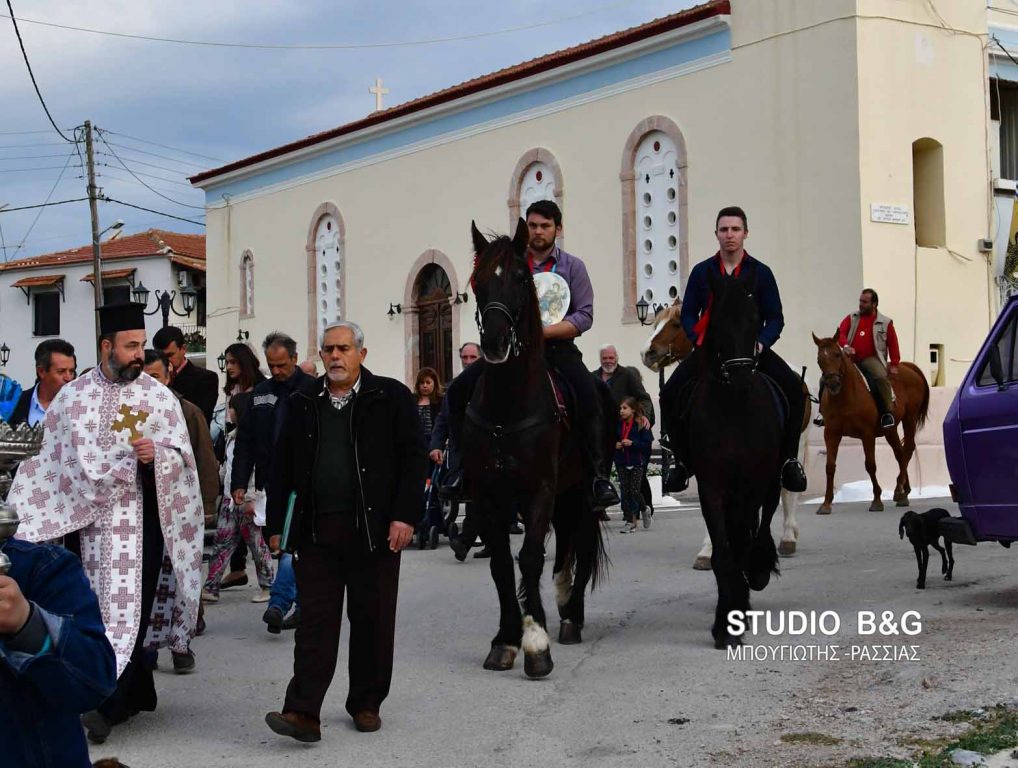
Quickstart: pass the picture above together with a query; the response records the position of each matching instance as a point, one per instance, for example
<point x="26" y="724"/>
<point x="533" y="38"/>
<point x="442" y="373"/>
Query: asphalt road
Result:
<point x="646" y="687"/>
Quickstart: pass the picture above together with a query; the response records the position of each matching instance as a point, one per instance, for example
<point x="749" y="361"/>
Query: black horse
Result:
<point x="520" y="455"/>
<point x="735" y="449"/>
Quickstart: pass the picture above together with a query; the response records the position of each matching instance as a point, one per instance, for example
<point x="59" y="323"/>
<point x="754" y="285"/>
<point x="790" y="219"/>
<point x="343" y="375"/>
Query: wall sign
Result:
<point x="890" y="214"/>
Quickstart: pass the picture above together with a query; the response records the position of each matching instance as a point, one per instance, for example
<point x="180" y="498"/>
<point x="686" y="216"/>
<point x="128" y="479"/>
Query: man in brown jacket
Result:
<point x="158" y="367"/>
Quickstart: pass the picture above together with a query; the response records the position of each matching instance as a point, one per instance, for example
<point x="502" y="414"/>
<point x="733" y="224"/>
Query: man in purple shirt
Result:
<point x="544" y="221"/>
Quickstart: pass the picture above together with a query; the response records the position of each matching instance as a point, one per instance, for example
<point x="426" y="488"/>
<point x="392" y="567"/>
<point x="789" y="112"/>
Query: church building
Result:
<point x="856" y="134"/>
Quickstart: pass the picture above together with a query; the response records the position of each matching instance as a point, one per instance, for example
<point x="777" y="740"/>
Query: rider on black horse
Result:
<point x="732" y="259"/>
<point x="544" y="222"/>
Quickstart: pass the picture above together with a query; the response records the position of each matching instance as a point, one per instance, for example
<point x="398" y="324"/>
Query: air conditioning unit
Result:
<point x="185" y="279"/>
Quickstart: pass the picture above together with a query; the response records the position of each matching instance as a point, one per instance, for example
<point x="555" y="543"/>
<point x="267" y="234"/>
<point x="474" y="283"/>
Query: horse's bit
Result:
<point x="515" y="345"/>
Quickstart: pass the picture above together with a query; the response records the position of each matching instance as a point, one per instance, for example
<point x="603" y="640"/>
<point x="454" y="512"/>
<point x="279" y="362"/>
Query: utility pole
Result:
<point x="97" y="277"/>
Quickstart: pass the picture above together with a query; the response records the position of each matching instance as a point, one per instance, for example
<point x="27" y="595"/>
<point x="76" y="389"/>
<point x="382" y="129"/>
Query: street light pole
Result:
<point x="97" y="281"/>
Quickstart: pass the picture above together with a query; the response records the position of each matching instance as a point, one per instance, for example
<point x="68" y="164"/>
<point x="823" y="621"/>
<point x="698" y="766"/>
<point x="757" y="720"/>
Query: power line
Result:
<point x="29" y="157"/>
<point x="332" y="46"/>
<point x="185" y="205"/>
<point x="40" y="144"/>
<point x="164" y="146"/>
<point x="122" y="180"/>
<point x="156" y="154"/>
<point x="22" y="133"/>
<point x="42" y="168"/>
<point x="31" y="74"/>
<point x="151" y="210"/>
<point x="70" y="156"/>
<point x="136" y="161"/>
<point x="42" y="205"/>
<point x="149" y="176"/>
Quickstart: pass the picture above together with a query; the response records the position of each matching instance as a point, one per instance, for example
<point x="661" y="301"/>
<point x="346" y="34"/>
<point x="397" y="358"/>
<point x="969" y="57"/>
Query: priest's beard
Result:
<point x="126" y="372"/>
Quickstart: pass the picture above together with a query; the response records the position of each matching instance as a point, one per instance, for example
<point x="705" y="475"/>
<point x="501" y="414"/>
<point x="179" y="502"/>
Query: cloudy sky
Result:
<point x="157" y="101"/>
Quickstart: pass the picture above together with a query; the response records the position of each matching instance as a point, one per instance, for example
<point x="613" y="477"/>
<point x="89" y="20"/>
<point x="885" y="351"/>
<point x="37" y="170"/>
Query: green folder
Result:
<point x="285" y="538"/>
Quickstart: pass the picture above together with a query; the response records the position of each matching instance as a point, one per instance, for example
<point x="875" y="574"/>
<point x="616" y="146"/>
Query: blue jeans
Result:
<point x="284" y="588"/>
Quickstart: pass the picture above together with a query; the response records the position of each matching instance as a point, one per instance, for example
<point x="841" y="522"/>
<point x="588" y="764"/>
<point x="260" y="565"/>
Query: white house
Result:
<point x="52" y="295"/>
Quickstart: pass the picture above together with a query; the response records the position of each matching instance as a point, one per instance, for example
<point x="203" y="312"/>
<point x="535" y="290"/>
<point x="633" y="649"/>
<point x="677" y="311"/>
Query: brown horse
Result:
<point x="668" y="344"/>
<point x="848" y="409"/>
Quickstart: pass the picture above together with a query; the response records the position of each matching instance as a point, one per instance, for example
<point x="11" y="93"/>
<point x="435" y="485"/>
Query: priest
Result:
<point x="116" y="465"/>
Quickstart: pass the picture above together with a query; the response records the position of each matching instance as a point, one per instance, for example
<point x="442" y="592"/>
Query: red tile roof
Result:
<point x="110" y="274"/>
<point x="485" y="82"/>
<point x="39" y="281"/>
<point x="153" y="242"/>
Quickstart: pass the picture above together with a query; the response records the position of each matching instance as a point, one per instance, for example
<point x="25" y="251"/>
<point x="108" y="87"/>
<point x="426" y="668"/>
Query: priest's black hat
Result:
<point x="121" y="316"/>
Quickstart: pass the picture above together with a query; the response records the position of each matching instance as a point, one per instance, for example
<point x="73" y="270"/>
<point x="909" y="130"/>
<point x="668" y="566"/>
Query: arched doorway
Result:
<point x="432" y="294"/>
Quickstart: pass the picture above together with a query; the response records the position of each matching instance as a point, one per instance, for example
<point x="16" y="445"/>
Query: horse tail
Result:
<point x="924" y="405"/>
<point x="601" y="560"/>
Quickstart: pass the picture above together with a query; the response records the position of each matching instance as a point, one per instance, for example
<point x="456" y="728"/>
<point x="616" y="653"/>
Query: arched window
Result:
<point x="537" y="176"/>
<point x="654" y="216"/>
<point x="326" y="270"/>
<point x="247" y="285"/>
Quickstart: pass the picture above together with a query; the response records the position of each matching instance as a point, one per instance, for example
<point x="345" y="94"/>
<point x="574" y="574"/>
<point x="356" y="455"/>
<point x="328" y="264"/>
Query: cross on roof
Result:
<point x="379" y="91"/>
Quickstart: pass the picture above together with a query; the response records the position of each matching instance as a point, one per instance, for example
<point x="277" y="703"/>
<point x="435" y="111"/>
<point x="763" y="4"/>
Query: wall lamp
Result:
<point x="394" y="309"/>
<point x="643" y="308"/>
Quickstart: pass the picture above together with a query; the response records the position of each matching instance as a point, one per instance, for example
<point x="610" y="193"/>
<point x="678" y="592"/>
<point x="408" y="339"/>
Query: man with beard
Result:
<point x="116" y="465"/>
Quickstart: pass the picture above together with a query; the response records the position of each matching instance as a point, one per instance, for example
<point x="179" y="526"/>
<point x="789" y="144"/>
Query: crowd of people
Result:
<point x="141" y="455"/>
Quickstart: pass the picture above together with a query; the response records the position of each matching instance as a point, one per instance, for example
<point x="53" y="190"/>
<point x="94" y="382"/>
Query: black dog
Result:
<point x="923" y="531"/>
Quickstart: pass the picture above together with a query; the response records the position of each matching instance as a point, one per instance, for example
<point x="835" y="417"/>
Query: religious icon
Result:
<point x="129" y="420"/>
<point x="552" y="297"/>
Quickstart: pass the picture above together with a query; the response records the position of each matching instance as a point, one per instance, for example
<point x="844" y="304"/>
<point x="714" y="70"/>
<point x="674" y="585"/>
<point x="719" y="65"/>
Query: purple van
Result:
<point x="981" y="440"/>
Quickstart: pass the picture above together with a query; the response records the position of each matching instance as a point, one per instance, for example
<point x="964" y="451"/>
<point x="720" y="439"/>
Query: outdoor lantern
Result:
<point x="141" y="293"/>
<point x="221" y="361"/>
<point x="5" y="354"/>
<point x="641" y="310"/>
<point x="243" y="335"/>
<point x="189" y="297"/>
<point x="394" y="309"/>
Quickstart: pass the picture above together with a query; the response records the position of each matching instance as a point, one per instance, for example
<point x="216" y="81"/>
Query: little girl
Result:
<point x="632" y="451"/>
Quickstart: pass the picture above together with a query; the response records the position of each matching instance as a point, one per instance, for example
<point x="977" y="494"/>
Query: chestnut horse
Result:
<point x="849" y="410"/>
<point x="669" y="344"/>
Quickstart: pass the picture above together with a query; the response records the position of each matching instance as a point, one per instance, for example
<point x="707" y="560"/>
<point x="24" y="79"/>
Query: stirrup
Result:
<point x="887" y="421"/>
<point x="819" y="420"/>
<point x="677" y="479"/>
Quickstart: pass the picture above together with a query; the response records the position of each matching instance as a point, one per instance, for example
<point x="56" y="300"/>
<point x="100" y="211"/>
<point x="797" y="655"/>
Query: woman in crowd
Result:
<point x="429" y="393"/>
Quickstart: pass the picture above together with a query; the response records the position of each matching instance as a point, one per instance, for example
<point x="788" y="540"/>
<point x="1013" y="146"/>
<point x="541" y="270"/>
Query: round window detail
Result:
<point x="336" y="266"/>
<point x="647" y="198"/>
<point x="671" y="193"/>
<point x="648" y="295"/>
<point x="337" y="284"/>
<point x="647" y="222"/>
<point x="672" y="241"/>
<point x="328" y="226"/>
<point x="671" y="217"/>
<point x="648" y="246"/>
<point x="324" y="270"/>
<point x="325" y="305"/>
<point x="673" y="292"/>
<point x="539" y="175"/>
<point x="648" y="270"/>
<point x="325" y="287"/>
<point x="657" y="146"/>
<point x="673" y="267"/>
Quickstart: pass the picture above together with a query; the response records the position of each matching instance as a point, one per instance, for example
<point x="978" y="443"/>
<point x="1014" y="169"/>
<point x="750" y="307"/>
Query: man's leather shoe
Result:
<point x="886" y="421"/>
<point x="459" y="547"/>
<point x="274" y="618"/>
<point x="515" y="529"/>
<point x="605" y="494"/>
<point x="295" y="725"/>
<point x="367" y="721"/>
<point x="183" y="663"/>
<point x="677" y="479"/>
<point x="234" y="579"/>
<point x="291" y="621"/>
<point x="97" y="726"/>
<point x="486" y="552"/>
<point x="793" y="478"/>
<point x="819" y="420"/>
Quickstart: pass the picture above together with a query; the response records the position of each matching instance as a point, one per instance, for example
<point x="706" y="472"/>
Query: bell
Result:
<point x="8" y="527"/>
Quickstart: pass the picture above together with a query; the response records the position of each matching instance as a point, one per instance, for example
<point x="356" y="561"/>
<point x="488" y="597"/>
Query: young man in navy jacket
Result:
<point x="731" y="259"/>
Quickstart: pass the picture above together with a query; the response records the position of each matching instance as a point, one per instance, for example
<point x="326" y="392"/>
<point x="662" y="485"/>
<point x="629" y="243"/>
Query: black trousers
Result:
<point x="136" y="688"/>
<point x="769" y="363"/>
<point x="336" y="564"/>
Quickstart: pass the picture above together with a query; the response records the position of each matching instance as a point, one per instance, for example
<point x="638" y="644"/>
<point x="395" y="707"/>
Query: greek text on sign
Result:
<point x="890" y="214"/>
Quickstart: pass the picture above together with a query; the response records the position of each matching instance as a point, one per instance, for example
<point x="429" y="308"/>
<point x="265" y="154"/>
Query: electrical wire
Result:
<point x="22" y="133"/>
<point x="157" y="192"/>
<point x="41" y="144"/>
<point x="42" y="205"/>
<point x="29" y="157"/>
<point x="31" y="74"/>
<point x="331" y="46"/>
<point x="148" y="175"/>
<point x="152" y="210"/>
<point x="156" y="154"/>
<point x="136" y="161"/>
<point x="122" y="180"/>
<point x="70" y="156"/>
<point x="164" y="146"/>
<point x="42" y="168"/>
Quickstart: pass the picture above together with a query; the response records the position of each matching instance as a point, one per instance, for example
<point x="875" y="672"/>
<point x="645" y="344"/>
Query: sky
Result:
<point x="169" y="110"/>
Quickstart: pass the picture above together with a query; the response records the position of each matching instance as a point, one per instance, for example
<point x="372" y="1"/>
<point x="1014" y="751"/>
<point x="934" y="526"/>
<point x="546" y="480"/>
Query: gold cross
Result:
<point x="130" y="421"/>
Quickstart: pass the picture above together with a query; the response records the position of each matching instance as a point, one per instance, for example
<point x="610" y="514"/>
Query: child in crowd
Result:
<point x="632" y="452"/>
<point x="429" y="392"/>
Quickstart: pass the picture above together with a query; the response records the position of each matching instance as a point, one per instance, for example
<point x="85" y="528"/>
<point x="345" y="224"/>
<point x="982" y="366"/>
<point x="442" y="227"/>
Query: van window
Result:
<point x="1007" y="343"/>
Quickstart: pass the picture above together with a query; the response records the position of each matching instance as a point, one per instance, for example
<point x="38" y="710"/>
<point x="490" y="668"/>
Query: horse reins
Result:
<point x="515" y="345"/>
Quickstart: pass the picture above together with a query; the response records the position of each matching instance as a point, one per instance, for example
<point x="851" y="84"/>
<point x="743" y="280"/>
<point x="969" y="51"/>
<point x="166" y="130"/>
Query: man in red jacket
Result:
<point x="868" y="338"/>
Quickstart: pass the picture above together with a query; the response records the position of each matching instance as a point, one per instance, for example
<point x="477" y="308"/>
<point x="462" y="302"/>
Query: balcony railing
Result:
<point x="194" y="338"/>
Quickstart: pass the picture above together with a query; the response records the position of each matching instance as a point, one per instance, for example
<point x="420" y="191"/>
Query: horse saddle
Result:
<point x="869" y="385"/>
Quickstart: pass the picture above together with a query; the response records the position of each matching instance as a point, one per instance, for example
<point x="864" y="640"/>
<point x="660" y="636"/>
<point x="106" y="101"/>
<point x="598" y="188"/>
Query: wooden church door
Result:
<point x="433" y="292"/>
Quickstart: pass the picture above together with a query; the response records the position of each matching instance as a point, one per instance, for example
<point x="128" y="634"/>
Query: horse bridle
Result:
<point x="515" y="345"/>
<point x="736" y="363"/>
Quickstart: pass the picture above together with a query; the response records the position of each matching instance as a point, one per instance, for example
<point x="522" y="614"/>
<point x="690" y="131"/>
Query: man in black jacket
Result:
<point x="255" y="453"/>
<point x="353" y="454"/>
<point x="623" y="381"/>
<point x="198" y="385"/>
